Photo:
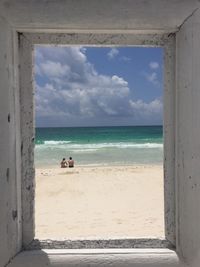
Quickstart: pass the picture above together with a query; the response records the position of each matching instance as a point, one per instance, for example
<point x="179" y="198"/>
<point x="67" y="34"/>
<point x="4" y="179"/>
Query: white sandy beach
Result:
<point x="100" y="202"/>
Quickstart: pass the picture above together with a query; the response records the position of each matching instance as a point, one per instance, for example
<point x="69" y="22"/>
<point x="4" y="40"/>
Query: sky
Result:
<point x="98" y="86"/>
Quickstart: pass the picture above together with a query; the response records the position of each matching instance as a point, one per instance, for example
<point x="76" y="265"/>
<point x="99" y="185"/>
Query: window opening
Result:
<point x="103" y="107"/>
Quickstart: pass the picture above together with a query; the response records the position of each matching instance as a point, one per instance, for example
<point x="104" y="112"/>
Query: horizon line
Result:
<point x="99" y="126"/>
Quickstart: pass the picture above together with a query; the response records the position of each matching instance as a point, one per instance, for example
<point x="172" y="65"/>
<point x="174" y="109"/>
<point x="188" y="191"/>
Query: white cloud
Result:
<point x="54" y="69"/>
<point x="72" y="88"/>
<point x="145" y="112"/>
<point x="152" y="78"/>
<point x="76" y="88"/>
<point x="154" y="65"/>
<point x="124" y="58"/>
<point x="113" y="53"/>
<point x="119" y="80"/>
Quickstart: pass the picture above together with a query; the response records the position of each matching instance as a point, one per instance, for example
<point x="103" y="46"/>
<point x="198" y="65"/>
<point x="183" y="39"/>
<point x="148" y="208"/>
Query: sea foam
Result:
<point x="51" y="142"/>
<point x="90" y="146"/>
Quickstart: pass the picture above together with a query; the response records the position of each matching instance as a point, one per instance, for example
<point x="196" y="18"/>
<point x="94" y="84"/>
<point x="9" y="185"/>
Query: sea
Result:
<point x="97" y="146"/>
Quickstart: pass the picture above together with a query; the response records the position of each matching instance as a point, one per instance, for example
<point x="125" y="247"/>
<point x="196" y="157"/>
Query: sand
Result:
<point x="99" y="202"/>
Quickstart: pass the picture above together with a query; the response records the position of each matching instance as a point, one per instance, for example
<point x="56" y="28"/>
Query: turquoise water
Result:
<point x="100" y="145"/>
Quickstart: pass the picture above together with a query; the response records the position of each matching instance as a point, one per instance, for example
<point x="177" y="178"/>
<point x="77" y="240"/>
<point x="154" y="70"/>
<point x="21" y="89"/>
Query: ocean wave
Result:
<point x="115" y="145"/>
<point x="93" y="147"/>
<point x="51" y="142"/>
<point x="85" y="150"/>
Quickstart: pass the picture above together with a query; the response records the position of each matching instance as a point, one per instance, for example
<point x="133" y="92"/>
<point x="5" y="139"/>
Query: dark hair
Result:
<point x="70" y="157"/>
<point x="63" y="158"/>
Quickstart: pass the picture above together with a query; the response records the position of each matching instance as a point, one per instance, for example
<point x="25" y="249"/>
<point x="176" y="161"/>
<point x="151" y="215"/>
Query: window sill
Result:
<point x="126" y="243"/>
<point x="97" y="257"/>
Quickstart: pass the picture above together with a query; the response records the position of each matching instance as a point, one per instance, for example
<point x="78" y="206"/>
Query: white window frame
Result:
<point x="26" y="46"/>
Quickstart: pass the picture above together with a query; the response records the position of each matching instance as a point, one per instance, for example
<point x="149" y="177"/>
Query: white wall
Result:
<point x="188" y="121"/>
<point x="9" y="214"/>
<point x="153" y="15"/>
<point x="188" y="134"/>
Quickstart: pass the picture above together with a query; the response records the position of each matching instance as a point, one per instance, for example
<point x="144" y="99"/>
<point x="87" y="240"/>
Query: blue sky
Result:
<point x="98" y="86"/>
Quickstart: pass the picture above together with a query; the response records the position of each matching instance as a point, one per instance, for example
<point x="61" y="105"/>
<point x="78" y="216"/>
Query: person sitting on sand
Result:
<point x="71" y="162"/>
<point x="63" y="163"/>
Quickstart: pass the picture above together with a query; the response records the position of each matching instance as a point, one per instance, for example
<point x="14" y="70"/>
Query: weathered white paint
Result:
<point x="27" y="139"/>
<point x="98" y="257"/>
<point x="141" y="16"/>
<point x="157" y="15"/>
<point x="98" y="39"/>
<point x="188" y="140"/>
<point x="125" y="243"/>
<point x="10" y="225"/>
<point x="27" y="121"/>
<point x="169" y="139"/>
